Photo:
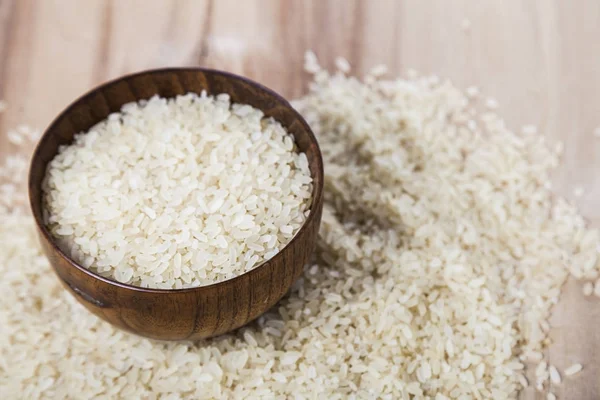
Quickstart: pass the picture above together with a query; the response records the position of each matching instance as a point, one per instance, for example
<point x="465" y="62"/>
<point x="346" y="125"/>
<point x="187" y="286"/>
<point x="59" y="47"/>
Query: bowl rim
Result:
<point x="316" y="196"/>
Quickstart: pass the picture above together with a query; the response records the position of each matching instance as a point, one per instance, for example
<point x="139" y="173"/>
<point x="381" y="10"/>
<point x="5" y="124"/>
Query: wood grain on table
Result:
<point x="539" y="59"/>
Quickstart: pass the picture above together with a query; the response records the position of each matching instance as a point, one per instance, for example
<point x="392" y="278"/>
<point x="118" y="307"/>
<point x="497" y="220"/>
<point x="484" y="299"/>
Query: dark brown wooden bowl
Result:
<point x="198" y="312"/>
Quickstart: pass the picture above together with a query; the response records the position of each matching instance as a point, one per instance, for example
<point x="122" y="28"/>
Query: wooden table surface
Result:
<point x="539" y="59"/>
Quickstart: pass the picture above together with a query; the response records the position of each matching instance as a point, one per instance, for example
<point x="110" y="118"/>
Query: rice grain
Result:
<point x="573" y="370"/>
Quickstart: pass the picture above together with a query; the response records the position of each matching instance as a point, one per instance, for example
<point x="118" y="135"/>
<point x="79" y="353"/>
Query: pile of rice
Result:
<point x="441" y="254"/>
<point x="177" y="193"/>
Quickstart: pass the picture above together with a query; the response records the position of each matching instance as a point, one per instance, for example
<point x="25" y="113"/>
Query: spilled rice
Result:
<point x="441" y="254"/>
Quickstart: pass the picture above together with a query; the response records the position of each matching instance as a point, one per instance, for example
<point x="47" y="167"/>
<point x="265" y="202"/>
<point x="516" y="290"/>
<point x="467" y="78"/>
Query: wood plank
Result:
<point x="538" y="58"/>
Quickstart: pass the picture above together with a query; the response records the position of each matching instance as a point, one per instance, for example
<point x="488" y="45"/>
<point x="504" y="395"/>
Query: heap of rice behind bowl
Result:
<point x="177" y="193"/>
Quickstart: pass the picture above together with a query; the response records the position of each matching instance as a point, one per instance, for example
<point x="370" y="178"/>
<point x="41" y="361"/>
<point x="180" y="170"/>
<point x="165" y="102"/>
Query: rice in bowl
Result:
<point x="177" y="193"/>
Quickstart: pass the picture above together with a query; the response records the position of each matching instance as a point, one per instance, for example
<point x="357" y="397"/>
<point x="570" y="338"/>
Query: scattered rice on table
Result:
<point x="554" y="375"/>
<point x="588" y="288"/>
<point x="597" y="288"/>
<point x="573" y="369"/>
<point x="440" y="257"/>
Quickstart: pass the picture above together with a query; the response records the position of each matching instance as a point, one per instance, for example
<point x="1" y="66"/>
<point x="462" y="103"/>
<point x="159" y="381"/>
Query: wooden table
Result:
<point x="539" y="59"/>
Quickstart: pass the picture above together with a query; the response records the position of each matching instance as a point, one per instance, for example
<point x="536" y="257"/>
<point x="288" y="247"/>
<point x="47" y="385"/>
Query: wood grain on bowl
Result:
<point x="193" y="313"/>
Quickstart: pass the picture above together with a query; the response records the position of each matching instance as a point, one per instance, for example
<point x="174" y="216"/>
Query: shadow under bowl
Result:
<point x="178" y="314"/>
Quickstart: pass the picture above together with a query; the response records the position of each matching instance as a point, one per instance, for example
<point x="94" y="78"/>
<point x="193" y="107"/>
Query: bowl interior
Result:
<point x="97" y="104"/>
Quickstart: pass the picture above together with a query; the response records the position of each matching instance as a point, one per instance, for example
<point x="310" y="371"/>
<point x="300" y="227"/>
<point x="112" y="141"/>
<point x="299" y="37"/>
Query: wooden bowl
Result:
<point x="177" y="314"/>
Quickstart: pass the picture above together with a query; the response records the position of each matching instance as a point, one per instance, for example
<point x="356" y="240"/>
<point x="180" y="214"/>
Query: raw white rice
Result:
<point x="342" y="64"/>
<point x="554" y="375"/>
<point x="491" y="103"/>
<point x="472" y="92"/>
<point x="15" y="138"/>
<point x="465" y="24"/>
<point x="440" y="257"/>
<point x="523" y="380"/>
<point x="597" y="288"/>
<point x="529" y="129"/>
<point x="378" y="70"/>
<point x="178" y="193"/>
<point x="573" y="369"/>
